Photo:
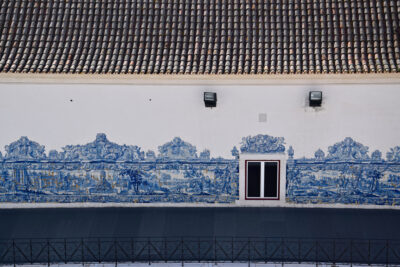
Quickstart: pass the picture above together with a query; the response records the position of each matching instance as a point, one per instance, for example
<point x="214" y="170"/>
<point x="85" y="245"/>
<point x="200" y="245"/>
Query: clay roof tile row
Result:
<point x="200" y="36"/>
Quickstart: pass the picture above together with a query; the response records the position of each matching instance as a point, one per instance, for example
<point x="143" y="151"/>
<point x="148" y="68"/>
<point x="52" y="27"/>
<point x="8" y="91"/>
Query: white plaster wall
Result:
<point x="59" y="114"/>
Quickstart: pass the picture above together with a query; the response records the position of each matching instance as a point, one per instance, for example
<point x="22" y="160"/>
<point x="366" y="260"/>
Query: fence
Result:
<point x="192" y="249"/>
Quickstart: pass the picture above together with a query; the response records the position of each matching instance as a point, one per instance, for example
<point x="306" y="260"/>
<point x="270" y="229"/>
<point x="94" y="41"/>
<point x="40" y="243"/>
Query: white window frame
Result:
<point x="262" y="180"/>
<point x="243" y="157"/>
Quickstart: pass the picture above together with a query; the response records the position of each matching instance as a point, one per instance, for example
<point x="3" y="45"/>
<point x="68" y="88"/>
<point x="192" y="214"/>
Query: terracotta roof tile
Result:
<point x="200" y="36"/>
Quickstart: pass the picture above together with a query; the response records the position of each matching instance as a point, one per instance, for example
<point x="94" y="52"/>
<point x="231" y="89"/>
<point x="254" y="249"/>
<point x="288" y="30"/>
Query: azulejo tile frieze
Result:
<point x="346" y="175"/>
<point x="262" y="143"/>
<point x="105" y="172"/>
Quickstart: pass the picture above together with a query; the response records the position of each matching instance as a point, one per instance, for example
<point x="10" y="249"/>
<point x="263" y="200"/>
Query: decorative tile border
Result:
<point x="347" y="175"/>
<point x="106" y="172"/>
<point x="103" y="171"/>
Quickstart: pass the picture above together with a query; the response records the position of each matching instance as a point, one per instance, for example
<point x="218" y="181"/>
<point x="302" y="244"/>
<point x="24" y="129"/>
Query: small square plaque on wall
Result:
<point x="262" y="117"/>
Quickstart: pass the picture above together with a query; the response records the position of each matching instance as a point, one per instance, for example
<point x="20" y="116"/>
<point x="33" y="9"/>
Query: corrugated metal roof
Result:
<point x="200" y="36"/>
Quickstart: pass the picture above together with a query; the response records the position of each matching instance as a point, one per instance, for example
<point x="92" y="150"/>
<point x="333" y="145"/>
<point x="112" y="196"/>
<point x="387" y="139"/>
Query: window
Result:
<point x="262" y="179"/>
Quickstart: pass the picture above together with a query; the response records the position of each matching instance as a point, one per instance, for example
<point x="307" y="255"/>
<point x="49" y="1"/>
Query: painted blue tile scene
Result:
<point x="346" y="175"/>
<point x="262" y="143"/>
<point x="102" y="171"/>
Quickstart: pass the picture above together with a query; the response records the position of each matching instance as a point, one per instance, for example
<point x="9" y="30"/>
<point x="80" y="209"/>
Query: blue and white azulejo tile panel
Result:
<point x="106" y="172"/>
<point x="346" y="175"/>
<point x="103" y="171"/>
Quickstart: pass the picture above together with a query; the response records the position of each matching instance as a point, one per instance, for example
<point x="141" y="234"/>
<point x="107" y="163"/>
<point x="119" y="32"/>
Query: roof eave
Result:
<point x="172" y="79"/>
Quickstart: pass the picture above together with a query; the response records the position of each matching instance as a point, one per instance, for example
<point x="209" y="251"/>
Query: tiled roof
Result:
<point x="200" y="36"/>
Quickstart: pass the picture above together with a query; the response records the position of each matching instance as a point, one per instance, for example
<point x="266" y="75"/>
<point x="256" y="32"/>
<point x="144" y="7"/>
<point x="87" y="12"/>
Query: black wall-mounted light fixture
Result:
<point x="315" y="98"/>
<point x="210" y="99"/>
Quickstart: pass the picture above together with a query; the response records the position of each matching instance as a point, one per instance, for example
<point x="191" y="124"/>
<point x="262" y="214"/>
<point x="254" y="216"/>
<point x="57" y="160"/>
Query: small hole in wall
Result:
<point x="150" y="99"/>
<point x="71" y="100"/>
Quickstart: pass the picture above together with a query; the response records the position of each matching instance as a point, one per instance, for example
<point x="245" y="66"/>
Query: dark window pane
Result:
<point x="271" y="179"/>
<point x="253" y="179"/>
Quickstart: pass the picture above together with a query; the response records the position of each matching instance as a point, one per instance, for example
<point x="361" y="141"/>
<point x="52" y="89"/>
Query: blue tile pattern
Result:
<point x="103" y="171"/>
<point x="394" y="154"/>
<point x="262" y="144"/>
<point x="347" y="175"/>
<point x="25" y="149"/>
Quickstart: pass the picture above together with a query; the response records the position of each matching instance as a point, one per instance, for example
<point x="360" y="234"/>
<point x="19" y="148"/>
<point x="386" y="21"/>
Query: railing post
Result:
<point x="334" y="252"/>
<point x="14" y="252"/>
<point x="182" y="250"/>
<point x="299" y="255"/>
<point x="199" y="248"/>
<point x="115" y="253"/>
<point x="48" y="253"/>
<point x="65" y="250"/>
<point x="148" y="250"/>
<point x="165" y="250"/>
<point x="215" y="249"/>
<point x="248" y="250"/>
<point x="266" y="250"/>
<point x="99" y="247"/>
<point x="387" y="252"/>
<point x="232" y="257"/>
<point x="369" y="252"/>
<point x="133" y="249"/>
<point x="351" y="252"/>
<point x="83" y="253"/>
<point x="30" y="252"/>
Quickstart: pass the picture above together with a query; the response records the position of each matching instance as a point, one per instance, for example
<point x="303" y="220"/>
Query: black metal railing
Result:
<point x="193" y="249"/>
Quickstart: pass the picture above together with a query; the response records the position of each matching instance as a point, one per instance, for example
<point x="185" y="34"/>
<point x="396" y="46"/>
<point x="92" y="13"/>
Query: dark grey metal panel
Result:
<point x="199" y="222"/>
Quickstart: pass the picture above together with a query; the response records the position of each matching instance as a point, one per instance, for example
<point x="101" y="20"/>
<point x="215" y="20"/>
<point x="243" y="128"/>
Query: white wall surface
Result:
<point x="56" y="115"/>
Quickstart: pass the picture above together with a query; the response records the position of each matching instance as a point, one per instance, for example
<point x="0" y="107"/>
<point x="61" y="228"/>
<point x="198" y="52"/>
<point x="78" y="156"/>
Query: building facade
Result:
<point x="102" y="104"/>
